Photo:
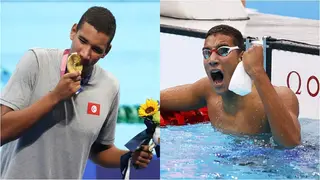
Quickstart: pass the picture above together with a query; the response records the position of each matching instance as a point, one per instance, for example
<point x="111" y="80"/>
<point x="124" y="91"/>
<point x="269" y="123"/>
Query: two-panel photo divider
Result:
<point x="160" y="89"/>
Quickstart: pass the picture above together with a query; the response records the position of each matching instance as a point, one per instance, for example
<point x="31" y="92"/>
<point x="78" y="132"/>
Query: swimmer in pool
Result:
<point x="267" y="109"/>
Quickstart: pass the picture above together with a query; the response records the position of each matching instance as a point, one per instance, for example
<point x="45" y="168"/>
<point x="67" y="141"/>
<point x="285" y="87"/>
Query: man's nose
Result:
<point x="85" y="52"/>
<point x="213" y="60"/>
<point x="213" y="63"/>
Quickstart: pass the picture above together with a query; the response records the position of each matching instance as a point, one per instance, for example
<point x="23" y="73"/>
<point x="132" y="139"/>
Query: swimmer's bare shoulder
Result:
<point x="289" y="99"/>
<point x="286" y="95"/>
<point x="185" y="97"/>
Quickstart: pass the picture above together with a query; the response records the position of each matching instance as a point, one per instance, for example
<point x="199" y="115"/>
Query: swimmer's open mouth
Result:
<point x="217" y="76"/>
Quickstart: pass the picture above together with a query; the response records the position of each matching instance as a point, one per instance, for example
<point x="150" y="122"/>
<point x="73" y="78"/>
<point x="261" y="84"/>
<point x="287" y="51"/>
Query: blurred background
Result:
<point x="293" y="8"/>
<point x="133" y="59"/>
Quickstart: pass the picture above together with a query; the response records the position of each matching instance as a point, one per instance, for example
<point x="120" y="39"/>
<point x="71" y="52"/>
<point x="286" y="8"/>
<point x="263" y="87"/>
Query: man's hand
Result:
<point x="253" y="60"/>
<point x="68" y="85"/>
<point x="141" y="157"/>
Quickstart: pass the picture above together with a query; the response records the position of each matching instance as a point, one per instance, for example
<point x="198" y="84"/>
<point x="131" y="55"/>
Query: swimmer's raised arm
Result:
<point x="281" y="104"/>
<point x="184" y="97"/>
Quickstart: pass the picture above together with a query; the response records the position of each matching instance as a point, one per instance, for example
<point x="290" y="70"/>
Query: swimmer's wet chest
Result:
<point x="250" y="119"/>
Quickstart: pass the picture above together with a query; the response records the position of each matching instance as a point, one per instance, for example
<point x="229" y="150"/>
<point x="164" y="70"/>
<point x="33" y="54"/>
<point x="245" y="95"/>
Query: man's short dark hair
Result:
<point x="101" y="19"/>
<point x="228" y="31"/>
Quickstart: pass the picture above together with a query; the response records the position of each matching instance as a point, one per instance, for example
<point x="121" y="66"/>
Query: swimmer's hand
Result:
<point x="68" y="85"/>
<point x="253" y="60"/>
<point x="141" y="157"/>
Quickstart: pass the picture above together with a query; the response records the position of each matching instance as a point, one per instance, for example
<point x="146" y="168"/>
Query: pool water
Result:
<point x="200" y="151"/>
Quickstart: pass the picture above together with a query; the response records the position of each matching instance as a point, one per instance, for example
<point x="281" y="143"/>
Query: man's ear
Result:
<point x="107" y="50"/>
<point x="240" y="55"/>
<point x="73" y="31"/>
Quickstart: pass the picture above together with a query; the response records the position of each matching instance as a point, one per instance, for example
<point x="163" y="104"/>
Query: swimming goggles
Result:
<point x="221" y="51"/>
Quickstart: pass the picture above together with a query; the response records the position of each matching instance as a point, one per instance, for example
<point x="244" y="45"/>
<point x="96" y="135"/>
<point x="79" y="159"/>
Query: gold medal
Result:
<point x="74" y="63"/>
